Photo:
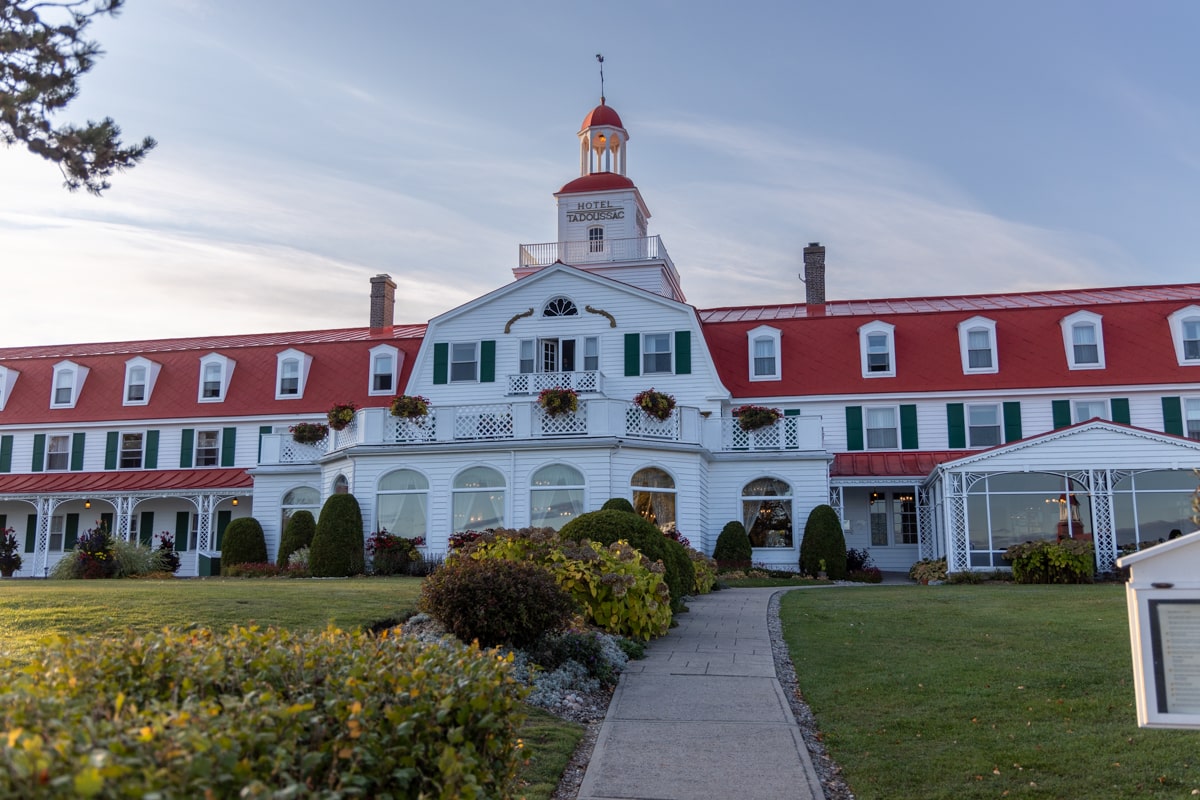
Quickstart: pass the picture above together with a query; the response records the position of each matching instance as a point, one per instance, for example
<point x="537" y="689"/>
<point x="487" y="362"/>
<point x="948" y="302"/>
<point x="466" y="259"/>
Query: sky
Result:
<point x="933" y="146"/>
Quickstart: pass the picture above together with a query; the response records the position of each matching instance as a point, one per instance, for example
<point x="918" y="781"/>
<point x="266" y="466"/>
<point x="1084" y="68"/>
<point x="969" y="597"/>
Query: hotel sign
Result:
<point x="595" y="211"/>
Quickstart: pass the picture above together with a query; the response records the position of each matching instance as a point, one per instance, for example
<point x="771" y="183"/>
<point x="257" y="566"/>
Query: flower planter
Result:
<point x="752" y="418"/>
<point x="558" y="401"/>
<point x="309" y="432"/>
<point x="413" y="407"/>
<point x="341" y="415"/>
<point x="658" y="405"/>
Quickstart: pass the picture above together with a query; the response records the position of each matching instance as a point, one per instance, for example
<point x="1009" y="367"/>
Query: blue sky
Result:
<point x="933" y="147"/>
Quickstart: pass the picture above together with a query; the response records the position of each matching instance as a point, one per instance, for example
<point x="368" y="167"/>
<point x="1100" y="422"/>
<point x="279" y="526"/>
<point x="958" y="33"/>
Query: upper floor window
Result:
<point x="656" y="353"/>
<point x="208" y="448"/>
<point x="140" y="375"/>
<point x="983" y="425"/>
<point x="215" y="373"/>
<point x="1083" y="337"/>
<point x="8" y="377"/>
<point x="68" y="384"/>
<point x="1083" y="410"/>
<point x="560" y="307"/>
<point x="877" y="347"/>
<point x="1191" y="418"/>
<point x="384" y="366"/>
<point x="58" y="452"/>
<point x="291" y="373"/>
<point x="882" y="428"/>
<point x="131" y="451"/>
<point x="764" y="353"/>
<point x="977" y="343"/>
<point x="1185" y="333"/>
<point x="596" y="239"/>
<point x="464" y="361"/>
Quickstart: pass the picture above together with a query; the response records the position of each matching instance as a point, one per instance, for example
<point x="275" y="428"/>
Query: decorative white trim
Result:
<point x="1176" y="320"/>
<point x="70" y="376"/>
<point x="225" y="366"/>
<point x="1078" y="319"/>
<point x="149" y="376"/>
<point x="375" y="353"/>
<point x="773" y="335"/>
<point x="964" y="329"/>
<point x="873" y="329"/>
<point x="8" y="379"/>
<point x="303" y="362"/>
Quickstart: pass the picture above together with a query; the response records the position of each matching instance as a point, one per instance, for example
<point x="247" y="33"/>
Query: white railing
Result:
<point x="292" y="451"/>
<point x="483" y="422"/>
<point x="573" y="424"/>
<point x="412" y="430"/>
<point x="535" y="382"/>
<point x="640" y="248"/>
<point x="639" y="423"/>
<point x="789" y="433"/>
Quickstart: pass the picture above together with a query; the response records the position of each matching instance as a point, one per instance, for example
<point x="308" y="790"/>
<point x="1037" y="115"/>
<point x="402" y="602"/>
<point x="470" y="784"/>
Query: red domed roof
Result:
<point x="602" y="115"/>
<point x="597" y="182"/>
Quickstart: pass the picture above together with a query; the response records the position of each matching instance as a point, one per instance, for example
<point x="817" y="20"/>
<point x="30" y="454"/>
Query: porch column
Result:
<point x="1104" y="529"/>
<point x="958" y="545"/>
<point x="926" y="528"/>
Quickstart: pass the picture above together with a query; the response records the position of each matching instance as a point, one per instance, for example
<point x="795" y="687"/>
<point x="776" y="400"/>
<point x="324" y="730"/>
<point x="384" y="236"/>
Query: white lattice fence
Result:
<point x="292" y="452"/>
<point x="571" y="424"/>
<point x="405" y="430"/>
<point x="770" y="437"/>
<point x="484" y="422"/>
<point x="639" y="423"/>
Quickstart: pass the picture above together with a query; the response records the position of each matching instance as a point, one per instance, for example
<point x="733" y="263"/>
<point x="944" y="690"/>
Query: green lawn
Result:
<point x="986" y="691"/>
<point x="30" y="610"/>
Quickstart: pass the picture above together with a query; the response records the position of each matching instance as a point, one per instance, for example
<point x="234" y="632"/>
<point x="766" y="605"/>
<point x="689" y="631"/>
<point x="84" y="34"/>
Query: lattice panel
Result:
<point x="411" y="431"/>
<point x="769" y="438"/>
<point x="346" y="437"/>
<point x="926" y="525"/>
<point x="293" y="452"/>
<point x="574" y="424"/>
<point x="639" y="423"/>
<point x="1104" y="527"/>
<point x="484" y="422"/>
<point x="958" y="559"/>
<point x="535" y="382"/>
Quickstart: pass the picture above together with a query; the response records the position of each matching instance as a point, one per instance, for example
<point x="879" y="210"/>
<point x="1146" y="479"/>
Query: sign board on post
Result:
<point x="1163" y="598"/>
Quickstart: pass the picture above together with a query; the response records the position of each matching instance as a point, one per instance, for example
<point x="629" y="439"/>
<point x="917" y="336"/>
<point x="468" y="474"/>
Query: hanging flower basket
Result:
<point x="558" y="401"/>
<point x="410" y="406"/>
<point x="309" y="432"/>
<point x="656" y="404"/>
<point x="341" y="415"/>
<point x="751" y="418"/>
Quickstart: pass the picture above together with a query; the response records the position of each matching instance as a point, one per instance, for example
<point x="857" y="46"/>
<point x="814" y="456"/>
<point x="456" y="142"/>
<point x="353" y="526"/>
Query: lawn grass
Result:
<point x="987" y="691"/>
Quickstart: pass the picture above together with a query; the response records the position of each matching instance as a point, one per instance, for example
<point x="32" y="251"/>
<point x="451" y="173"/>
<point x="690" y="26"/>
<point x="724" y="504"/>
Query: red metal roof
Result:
<point x="908" y="464"/>
<point x="597" y="182"/>
<point x="602" y="115"/>
<point x="161" y="480"/>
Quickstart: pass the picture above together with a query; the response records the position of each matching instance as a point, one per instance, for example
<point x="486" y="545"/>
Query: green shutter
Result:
<point x="186" y="445"/>
<point x="683" y="352"/>
<point x="77" y="442"/>
<point x="107" y="521"/>
<point x="182" y="518"/>
<point x="72" y="532"/>
<point x="110" y="450"/>
<point x="39" y="452"/>
<point x="146" y="528"/>
<point x="263" y="430"/>
<point x="487" y="361"/>
<point x="1172" y="417"/>
<point x="908" y="427"/>
<point x="1061" y="411"/>
<point x="1012" y="421"/>
<point x="633" y="354"/>
<point x="956" y="425"/>
<point x="223" y="518"/>
<point x="854" y="428"/>
<point x="1120" y="409"/>
<point x="31" y="533"/>
<point x="228" y="446"/>
<point x="151" y="459"/>
<point x="441" y="362"/>
<point x="6" y="453"/>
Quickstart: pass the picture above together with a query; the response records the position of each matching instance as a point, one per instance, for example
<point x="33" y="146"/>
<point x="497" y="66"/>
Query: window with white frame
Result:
<point x="57" y="529"/>
<point x="302" y="498"/>
<point x="1185" y="333"/>
<point x="1191" y="418"/>
<point x="596" y="239"/>
<point x="1083" y="338"/>
<point x="882" y="427"/>
<point x="656" y="353"/>
<point x="767" y="512"/>
<point x="402" y="503"/>
<point x="983" y="425"/>
<point x="893" y="517"/>
<point x="478" y="499"/>
<point x="877" y="347"/>
<point x="140" y="375"/>
<point x="977" y="343"/>
<point x="560" y="307"/>
<point x="291" y="374"/>
<point x="653" y="492"/>
<point x="8" y="377"/>
<point x="464" y="362"/>
<point x="67" y="384"/>
<point x="1083" y="410"/>
<point x="764" y="353"/>
<point x="216" y="371"/>
<point x="555" y="496"/>
<point x="131" y="451"/>
<point x="528" y="363"/>
<point x="58" y="452"/>
<point x="384" y="364"/>
<point x="591" y="353"/>
<point x="208" y="448"/>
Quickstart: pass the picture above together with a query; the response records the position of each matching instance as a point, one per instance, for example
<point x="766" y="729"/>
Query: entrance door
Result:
<point x="893" y="517"/>
<point x="558" y="355"/>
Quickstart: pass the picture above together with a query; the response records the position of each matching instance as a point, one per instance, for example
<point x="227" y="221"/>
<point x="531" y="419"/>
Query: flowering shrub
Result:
<point x="390" y="554"/>
<point x="558" y="400"/>
<point x="1068" y="561"/>
<point x="10" y="559"/>
<point x="656" y="404"/>
<point x="341" y="415"/>
<point x="671" y="532"/>
<point x="705" y="569"/>
<point x="410" y="406"/>
<point x="459" y="540"/>
<point x="309" y="432"/>
<point x="417" y="541"/>
<point x="751" y="418"/>
<point x="928" y="569"/>
<point x="168" y="559"/>
<point x="252" y="569"/>
<point x="298" y="560"/>
<point x="95" y="553"/>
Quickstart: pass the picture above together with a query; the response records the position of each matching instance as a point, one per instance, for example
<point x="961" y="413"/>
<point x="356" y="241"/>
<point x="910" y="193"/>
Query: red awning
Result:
<point x="913" y="464"/>
<point x="150" y="480"/>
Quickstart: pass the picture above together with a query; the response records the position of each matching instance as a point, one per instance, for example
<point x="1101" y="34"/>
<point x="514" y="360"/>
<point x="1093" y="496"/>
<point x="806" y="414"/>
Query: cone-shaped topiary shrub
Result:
<point x="337" y="549"/>
<point x="733" y="550"/>
<point x="243" y="543"/>
<point x="618" y="504"/>
<point x="298" y="534"/>
<point x="823" y="541"/>
<point x="610" y="526"/>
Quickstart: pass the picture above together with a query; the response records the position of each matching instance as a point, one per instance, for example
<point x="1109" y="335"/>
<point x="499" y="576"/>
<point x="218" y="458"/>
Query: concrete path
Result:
<point x="702" y="715"/>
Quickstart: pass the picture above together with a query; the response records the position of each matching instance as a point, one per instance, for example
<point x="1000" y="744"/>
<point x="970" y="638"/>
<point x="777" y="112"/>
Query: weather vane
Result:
<point x="600" y="58"/>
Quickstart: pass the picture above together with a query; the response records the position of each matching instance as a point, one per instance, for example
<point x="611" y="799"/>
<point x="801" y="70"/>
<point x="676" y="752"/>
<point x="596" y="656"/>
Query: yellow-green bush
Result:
<point x="706" y="571"/>
<point x="258" y="713"/>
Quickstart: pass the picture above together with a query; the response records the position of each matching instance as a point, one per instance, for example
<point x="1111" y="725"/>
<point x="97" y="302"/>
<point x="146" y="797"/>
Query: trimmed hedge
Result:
<point x="243" y="543"/>
<point x="611" y="526"/>
<point x="618" y="504"/>
<point x="297" y="535"/>
<point x="337" y="549"/>
<point x="1068" y="561"/>
<point x="733" y="547"/>
<point x="823" y="541"/>
<point x="264" y="714"/>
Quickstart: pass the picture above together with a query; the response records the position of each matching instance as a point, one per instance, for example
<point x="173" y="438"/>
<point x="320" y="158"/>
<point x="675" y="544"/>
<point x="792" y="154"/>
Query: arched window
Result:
<point x="654" y="495"/>
<point x="341" y="485"/>
<point x="402" y="503"/>
<point x="767" y="512"/>
<point x="302" y="498"/>
<point x="478" y="499"/>
<point x="555" y="496"/>
<point x="560" y="307"/>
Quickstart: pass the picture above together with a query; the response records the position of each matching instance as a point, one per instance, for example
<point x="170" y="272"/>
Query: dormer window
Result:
<point x="560" y="307"/>
<point x="215" y="373"/>
<point x="977" y="343"/>
<point x="291" y="374"/>
<point x="877" y="348"/>
<point x="764" y="353"/>
<point x="1083" y="338"/>
<point x="140" y="375"/>
<point x="385" y="364"/>
<point x="8" y="378"/>
<point x="67" y="385"/>
<point x="1185" y="333"/>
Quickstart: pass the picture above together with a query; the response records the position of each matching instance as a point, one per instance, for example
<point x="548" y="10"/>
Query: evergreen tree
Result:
<point x="337" y="549"/>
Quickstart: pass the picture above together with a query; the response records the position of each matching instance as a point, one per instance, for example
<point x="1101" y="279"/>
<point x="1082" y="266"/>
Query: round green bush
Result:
<point x="733" y="546"/>
<point x="243" y="543"/>
<point x="337" y="549"/>
<point x="496" y="602"/>
<point x="618" y="504"/>
<point x="298" y="534"/>
<point x="610" y="526"/>
<point x="823" y="541"/>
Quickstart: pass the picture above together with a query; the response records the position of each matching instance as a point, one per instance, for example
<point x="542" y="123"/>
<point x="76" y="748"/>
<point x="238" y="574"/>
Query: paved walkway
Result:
<point x="702" y="715"/>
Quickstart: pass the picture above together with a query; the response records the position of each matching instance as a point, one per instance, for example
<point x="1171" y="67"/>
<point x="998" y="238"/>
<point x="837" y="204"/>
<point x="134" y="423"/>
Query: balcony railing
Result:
<point x="535" y="382"/>
<point x="526" y="420"/>
<point x="640" y="248"/>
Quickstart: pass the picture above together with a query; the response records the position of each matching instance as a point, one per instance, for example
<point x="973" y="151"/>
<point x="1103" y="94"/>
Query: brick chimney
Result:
<point x="383" y="302"/>
<point x="814" y="274"/>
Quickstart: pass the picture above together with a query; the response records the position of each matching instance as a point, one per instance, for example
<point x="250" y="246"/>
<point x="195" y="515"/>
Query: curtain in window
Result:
<point x="979" y="349"/>
<point x="881" y="427"/>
